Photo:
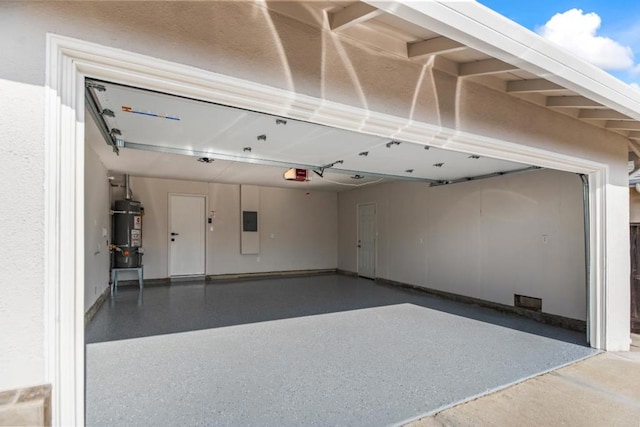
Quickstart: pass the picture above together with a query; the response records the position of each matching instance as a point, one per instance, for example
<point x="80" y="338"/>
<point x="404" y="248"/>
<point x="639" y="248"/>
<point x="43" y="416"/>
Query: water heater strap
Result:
<point x="126" y="212"/>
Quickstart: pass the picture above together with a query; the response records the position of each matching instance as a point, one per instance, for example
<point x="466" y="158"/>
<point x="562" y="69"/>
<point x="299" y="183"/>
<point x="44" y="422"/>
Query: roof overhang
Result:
<point x="482" y="29"/>
<point x="469" y="40"/>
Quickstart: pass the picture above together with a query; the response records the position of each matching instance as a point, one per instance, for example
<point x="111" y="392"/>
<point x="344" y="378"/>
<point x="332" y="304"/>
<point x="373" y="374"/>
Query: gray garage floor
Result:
<point x="326" y="350"/>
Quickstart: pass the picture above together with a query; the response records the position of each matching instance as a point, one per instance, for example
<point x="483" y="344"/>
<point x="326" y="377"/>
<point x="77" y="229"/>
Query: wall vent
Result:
<point x="528" y="303"/>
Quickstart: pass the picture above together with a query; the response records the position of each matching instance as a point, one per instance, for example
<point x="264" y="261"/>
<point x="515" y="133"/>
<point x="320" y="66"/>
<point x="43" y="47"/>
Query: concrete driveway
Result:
<point x="603" y="390"/>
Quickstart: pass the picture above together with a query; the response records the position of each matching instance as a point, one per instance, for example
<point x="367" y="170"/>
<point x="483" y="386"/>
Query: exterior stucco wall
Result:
<point x="22" y="226"/>
<point x="248" y="42"/>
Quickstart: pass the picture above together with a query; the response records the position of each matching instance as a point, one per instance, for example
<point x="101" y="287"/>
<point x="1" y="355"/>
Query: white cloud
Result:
<point x="577" y="32"/>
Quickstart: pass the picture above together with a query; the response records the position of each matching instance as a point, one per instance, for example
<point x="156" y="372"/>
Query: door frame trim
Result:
<point x="375" y="247"/>
<point x="70" y="60"/>
<point x="204" y="231"/>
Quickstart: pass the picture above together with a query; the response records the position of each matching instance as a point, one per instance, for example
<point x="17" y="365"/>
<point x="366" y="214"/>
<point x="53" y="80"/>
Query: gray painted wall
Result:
<point x="96" y="221"/>
<point x="297" y="232"/>
<point x="486" y="239"/>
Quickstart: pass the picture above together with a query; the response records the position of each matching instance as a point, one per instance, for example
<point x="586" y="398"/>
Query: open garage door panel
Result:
<point x="139" y="119"/>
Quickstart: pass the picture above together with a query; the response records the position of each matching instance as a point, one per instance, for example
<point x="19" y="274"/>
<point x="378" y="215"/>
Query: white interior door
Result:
<point x="367" y="241"/>
<point x="186" y="235"/>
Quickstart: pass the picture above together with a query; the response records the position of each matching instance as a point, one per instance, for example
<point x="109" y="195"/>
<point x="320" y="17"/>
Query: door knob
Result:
<point x="174" y="234"/>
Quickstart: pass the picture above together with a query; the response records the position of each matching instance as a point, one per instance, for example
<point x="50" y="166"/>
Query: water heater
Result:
<point x="127" y="231"/>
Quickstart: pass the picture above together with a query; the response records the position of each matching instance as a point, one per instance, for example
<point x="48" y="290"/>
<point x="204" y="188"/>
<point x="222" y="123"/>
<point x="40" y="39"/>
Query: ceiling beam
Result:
<point x="623" y="125"/>
<point x="446" y="65"/>
<point x="634" y="135"/>
<point x="572" y="102"/>
<point x="485" y="67"/>
<point x="435" y="46"/>
<point x="352" y="15"/>
<point x="601" y="114"/>
<point x="533" y="85"/>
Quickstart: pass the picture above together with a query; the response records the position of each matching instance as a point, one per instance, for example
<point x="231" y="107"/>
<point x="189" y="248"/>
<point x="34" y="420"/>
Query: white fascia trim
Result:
<point x="482" y="29"/>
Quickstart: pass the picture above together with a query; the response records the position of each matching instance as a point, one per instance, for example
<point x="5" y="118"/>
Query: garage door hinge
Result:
<point x="96" y="86"/>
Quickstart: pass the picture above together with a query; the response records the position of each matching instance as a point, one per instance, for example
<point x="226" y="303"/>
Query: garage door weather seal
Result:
<point x="587" y="245"/>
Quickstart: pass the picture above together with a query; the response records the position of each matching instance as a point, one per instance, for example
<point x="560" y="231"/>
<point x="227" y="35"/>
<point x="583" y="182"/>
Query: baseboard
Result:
<point x="550" y="319"/>
<point x="176" y="279"/>
<point x="346" y="273"/>
<point x="96" y="305"/>
<point x="268" y="275"/>
<point x="147" y="282"/>
<point x="228" y="277"/>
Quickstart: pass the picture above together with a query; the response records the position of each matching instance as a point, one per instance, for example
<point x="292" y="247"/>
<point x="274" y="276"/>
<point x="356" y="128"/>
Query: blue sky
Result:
<point x="614" y="45"/>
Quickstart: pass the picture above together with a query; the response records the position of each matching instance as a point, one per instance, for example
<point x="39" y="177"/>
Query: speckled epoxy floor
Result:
<point x="326" y="350"/>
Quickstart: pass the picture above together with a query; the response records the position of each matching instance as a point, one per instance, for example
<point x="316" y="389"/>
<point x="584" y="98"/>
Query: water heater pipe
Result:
<point x="127" y="188"/>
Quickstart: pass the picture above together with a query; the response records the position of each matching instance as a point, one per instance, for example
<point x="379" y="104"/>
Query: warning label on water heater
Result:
<point x="137" y="222"/>
<point x="135" y="238"/>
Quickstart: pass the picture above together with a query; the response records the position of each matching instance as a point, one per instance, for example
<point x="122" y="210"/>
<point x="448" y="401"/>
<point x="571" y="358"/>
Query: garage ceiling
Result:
<point x="163" y="135"/>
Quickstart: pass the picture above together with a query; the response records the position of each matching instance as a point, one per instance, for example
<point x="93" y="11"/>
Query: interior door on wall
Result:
<point x="367" y="240"/>
<point x="186" y="235"/>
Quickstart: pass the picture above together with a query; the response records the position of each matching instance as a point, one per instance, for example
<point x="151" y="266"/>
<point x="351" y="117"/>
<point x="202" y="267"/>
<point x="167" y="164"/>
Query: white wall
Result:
<point x="279" y="52"/>
<point x="297" y="232"/>
<point x="488" y="239"/>
<point x="97" y="223"/>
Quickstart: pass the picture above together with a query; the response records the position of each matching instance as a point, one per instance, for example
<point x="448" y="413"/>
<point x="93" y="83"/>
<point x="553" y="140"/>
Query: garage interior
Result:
<point x="326" y="345"/>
